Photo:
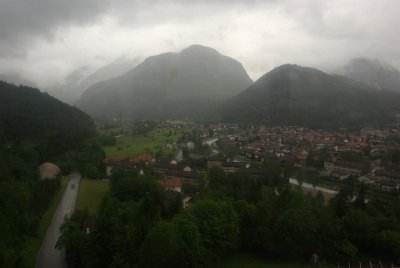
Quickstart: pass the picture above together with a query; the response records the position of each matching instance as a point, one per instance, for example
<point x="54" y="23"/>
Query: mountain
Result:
<point x="28" y="114"/>
<point x="295" y="95"/>
<point x="374" y="73"/>
<point x="170" y="85"/>
<point x="82" y="78"/>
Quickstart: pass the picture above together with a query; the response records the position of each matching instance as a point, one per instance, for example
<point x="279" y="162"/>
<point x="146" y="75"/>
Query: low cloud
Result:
<point x="44" y="40"/>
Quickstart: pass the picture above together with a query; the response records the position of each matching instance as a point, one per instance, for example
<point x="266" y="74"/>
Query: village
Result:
<point x="333" y="157"/>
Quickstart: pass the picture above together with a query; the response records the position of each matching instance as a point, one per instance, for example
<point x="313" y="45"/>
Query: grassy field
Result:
<point x="32" y="246"/>
<point x="112" y="131"/>
<point x="91" y="193"/>
<point x="154" y="141"/>
<point x="250" y="261"/>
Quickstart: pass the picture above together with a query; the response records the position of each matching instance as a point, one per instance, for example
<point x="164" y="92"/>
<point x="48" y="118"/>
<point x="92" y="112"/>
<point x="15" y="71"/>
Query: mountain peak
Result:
<point x="295" y="68"/>
<point x="168" y="85"/>
<point x="199" y="49"/>
<point x="291" y="72"/>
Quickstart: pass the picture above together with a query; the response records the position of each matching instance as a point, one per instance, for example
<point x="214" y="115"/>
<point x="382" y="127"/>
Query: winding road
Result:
<point x="48" y="256"/>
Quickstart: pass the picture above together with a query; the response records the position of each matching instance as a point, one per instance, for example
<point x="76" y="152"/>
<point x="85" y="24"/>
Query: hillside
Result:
<point x="170" y="85"/>
<point x="295" y="95"/>
<point x="28" y="114"/>
<point x="36" y="128"/>
<point x="373" y="73"/>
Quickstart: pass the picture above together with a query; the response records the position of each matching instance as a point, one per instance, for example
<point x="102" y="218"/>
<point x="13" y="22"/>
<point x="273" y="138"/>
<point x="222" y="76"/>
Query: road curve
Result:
<point x="48" y="256"/>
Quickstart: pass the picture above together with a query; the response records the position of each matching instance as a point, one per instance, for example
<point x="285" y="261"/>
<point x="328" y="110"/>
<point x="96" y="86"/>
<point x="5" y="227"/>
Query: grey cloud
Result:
<point x="24" y="20"/>
<point x="259" y="33"/>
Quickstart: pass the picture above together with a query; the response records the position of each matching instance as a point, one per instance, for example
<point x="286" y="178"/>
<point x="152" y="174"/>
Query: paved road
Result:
<point x="309" y="186"/>
<point x="48" y="256"/>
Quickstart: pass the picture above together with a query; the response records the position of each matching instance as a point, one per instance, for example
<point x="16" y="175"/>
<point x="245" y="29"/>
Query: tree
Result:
<point x="340" y="202"/>
<point x="217" y="179"/>
<point x="310" y="159"/>
<point x="247" y="214"/>
<point x="300" y="177"/>
<point x="218" y="225"/>
<point x="360" y="200"/>
<point x="73" y="240"/>
<point x="388" y="243"/>
<point x="358" y="227"/>
<point x="254" y="193"/>
<point x="296" y="229"/>
<point x="160" y="246"/>
<point x="189" y="239"/>
<point x="314" y="179"/>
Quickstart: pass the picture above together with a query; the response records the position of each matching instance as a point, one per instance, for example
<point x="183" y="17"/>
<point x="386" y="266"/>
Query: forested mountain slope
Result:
<point x="295" y="95"/>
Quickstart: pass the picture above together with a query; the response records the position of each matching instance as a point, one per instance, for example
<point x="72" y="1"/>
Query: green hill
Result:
<point x="35" y="128"/>
<point x="28" y="114"/>
<point x="295" y="95"/>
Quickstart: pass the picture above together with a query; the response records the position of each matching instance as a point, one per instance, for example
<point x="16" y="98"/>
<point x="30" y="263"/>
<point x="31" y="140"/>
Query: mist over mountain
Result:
<point x="373" y="72"/>
<point x="16" y="79"/>
<point x="170" y="85"/>
<point x="295" y="95"/>
<point x="82" y="78"/>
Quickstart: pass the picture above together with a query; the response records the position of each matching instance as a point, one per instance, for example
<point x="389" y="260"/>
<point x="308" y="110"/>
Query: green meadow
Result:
<point x="91" y="194"/>
<point x="154" y="141"/>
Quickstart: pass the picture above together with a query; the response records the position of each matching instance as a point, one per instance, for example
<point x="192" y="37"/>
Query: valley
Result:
<point x="186" y="162"/>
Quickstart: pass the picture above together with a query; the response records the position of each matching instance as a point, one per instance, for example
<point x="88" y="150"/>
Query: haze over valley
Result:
<point x="199" y="133"/>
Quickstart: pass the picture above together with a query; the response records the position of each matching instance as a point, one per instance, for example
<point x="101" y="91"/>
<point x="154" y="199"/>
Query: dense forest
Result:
<point x="36" y="128"/>
<point x="141" y="225"/>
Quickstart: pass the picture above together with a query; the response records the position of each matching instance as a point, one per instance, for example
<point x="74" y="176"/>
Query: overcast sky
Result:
<point x="44" y="40"/>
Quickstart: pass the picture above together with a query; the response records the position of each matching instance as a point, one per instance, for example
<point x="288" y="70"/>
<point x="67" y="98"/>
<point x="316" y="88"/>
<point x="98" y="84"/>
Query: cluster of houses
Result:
<point x="172" y="175"/>
<point x="248" y="148"/>
<point x="303" y="145"/>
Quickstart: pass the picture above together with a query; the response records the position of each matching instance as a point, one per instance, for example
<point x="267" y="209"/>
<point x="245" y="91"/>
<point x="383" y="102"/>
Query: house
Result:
<point x="301" y="158"/>
<point x="112" y="162"/>
<point x="342" y="167"/>
<point x="172" y="184"/>
<point x="197" y="154"/>
<point x="143" y="158"/>
<point x="184" y="176"/>
<point x="162" y="167"/>
<point x="388" y="180"/>
<point x="389" y="185"/>
<point x="185" y="144"/>
<point x="186" y="201"/>
<point x="253" y="171"/>
<point x="233" y="167"/>
<point x="215" y="161"/>
<point x="187" y="169"/>
<point x="117" y="160"/>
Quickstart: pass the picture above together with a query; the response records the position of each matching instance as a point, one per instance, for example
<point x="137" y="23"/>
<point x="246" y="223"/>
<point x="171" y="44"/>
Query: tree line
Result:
<point x="140" y="225"/>
<point x="36" y="128"/>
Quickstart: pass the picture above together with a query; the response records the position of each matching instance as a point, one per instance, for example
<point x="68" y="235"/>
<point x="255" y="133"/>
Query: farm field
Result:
<point x="154" y="141"/>
<point x="91" y="193"/>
